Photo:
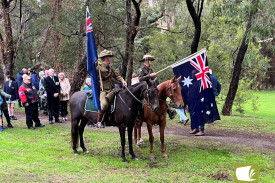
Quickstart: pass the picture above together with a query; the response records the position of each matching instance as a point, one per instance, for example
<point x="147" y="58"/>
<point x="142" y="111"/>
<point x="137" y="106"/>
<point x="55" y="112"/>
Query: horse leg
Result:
<point x="135" y="133"/>
<point x="151" y="139"/>
<point x="161" y="132"/>
<point x="130" y="140"/>
<point x="140" y="141"/>
<point x="74" y="134"/>
<point x="81" y="130"/>
<point x="122" y="141"/>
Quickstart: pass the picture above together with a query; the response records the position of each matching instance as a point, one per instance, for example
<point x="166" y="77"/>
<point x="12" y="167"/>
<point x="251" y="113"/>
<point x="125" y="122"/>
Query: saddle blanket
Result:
<point x="89" y="105"/>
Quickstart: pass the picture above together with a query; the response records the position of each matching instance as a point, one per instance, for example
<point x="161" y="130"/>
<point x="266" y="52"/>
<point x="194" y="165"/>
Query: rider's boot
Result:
<point x="171" y="113"/>
<point x="99" y="119"/>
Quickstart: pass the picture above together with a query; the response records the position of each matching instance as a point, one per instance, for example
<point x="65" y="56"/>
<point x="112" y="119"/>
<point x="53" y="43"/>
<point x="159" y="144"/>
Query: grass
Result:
<point x="45" y="155"/>
<point x="257" y="121"/>
<point x="266" y="106"/>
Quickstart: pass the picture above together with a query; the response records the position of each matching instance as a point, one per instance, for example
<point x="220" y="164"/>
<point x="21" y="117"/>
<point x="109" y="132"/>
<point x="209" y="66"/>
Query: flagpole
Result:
<point x="180" y="61"/>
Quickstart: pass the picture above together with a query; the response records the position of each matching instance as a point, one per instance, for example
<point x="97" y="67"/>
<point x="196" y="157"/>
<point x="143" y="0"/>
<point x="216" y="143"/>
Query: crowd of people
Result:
<point x="50" y="92"/>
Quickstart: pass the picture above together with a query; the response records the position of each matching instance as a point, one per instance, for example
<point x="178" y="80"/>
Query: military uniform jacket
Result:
<point x="143" y="73"/>
<point x="107" y="74"/>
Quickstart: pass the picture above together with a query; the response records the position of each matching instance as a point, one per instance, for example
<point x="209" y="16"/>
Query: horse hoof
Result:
<point x="135" y="159"/>
<point x="86" y="152"/>
<point x="75" y="154"/>
<point x="152" y="158"/>
<point x="165" y="157"/>
<point x="124" y="161"/>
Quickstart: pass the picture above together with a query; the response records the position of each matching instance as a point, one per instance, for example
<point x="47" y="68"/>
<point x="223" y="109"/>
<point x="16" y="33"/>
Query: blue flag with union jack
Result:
<point x="197" y="89"/>
<point x="91" y="59"/>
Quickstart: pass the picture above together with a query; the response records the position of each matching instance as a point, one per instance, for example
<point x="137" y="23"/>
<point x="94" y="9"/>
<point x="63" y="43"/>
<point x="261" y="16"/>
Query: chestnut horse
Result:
<point x="128" y="103"/>
<point x="171" y="89"/>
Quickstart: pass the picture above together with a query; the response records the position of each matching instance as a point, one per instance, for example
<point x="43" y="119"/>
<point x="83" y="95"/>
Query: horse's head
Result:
<point x="174" y="92"/>
<point x="151" y="95"/>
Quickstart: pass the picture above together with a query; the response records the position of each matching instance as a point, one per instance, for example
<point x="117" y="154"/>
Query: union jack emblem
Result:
<point x="89" y="27"/>
<point x="199" y="62"/>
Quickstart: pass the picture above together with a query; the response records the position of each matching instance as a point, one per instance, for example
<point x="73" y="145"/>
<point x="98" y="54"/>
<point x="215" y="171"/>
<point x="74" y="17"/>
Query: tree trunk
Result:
<point x="227" y="107"/>
<point x="132" y="30"/>
<point x="48" y="31"/>
<point x="80" y="71"/>
<point x="7" y="55"/>
<point x="197" y="23"/>
<point x="128" y="39"/>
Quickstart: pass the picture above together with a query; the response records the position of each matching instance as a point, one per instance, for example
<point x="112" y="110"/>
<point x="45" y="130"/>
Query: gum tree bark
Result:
<point x="6" y="47"/>
<point x="132" y="30"/>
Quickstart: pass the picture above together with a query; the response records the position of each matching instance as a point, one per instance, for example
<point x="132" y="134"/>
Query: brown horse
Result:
<point x="171" y="89"/>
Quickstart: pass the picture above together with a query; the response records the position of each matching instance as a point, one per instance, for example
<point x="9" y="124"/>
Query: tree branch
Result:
<point x="22" y="31"/>
<point x="13" y="7"/>
<point x="47" y="33"/>
<point x="2" y="48"/>
<point x="199" y="14"/>
<point x="138" y="13"/>
<point x="116" y="18"/>
<point x="144" y="28"/>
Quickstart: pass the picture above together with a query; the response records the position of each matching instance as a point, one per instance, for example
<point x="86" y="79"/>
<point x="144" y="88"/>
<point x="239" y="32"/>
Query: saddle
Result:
<point x="110" y="96"/>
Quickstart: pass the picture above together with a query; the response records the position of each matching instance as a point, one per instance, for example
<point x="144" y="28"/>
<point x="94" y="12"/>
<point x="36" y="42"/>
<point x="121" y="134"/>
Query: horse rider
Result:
<point x="106" y="76"/>
<point x="146" y="73"/>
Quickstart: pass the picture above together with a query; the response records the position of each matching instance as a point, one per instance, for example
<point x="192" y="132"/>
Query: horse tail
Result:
<point x="74" y="133"/>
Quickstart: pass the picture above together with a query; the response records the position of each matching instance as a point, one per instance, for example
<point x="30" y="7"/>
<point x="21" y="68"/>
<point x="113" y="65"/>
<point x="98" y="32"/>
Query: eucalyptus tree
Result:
<point x="248" y="11"/>
<point x="6" y="46"/>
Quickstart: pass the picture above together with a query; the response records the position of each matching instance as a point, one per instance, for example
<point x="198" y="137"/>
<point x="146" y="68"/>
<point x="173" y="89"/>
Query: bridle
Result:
<point x="171" y="95"/>
<point x="147" y="90"/>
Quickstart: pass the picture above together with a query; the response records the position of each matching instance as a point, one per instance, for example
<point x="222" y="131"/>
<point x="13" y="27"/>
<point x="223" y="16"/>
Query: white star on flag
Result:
<point x="202" y="99"/>
<point x="211" y="104"/>
<point x="187" y="81"/>
<point x="208" y="112"/>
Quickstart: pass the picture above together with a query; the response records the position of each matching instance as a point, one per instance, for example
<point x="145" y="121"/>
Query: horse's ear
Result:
<point x="155" y="80"/>
<point x="178" y="79"/>
<point x="173" y="79"/>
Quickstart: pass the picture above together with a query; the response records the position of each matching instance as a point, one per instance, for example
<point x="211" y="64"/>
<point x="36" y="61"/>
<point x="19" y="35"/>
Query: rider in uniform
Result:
<point x="106" y="76"/>
<point x="145" y="73"/>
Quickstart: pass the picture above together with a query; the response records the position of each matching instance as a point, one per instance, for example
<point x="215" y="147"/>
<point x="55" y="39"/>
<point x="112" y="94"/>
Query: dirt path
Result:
<point x="259" y="141"/>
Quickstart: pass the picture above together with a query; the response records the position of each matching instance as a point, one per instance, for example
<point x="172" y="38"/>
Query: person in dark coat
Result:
<point x="29" y="97"/>
<point x="11" y="88"/>
<point x="19" y="80"/>
<point x="216" y="85"/>
<point x="35" y="80"/>
<point x="52" y="87"/>
<point x="4" y="107"/>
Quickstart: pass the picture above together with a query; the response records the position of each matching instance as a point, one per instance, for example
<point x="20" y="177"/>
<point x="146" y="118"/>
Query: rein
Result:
<point x="132" y="96"/>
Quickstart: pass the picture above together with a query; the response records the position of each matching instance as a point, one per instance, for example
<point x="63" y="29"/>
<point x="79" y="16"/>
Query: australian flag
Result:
<point x="197" y="89"/>
<point x="91" y="59"/>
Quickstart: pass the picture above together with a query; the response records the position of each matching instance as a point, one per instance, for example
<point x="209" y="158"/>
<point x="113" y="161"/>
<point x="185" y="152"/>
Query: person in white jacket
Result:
<point x="64" y="96"/>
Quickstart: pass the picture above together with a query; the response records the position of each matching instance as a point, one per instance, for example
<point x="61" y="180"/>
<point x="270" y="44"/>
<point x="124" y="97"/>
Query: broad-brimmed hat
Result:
<point x="26" y="76"/>
<point x="106" y="53"/>
<point x="147" y="58"/>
